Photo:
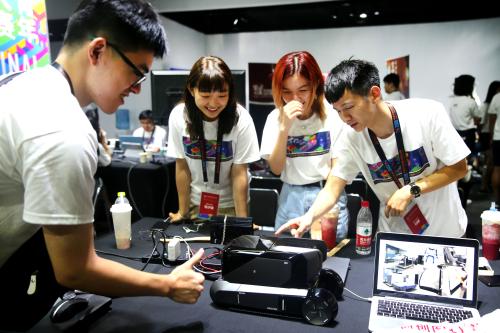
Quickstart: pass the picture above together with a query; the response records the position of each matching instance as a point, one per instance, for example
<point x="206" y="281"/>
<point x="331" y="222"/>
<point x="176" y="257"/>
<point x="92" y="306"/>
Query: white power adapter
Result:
<point x="173" y="249"/>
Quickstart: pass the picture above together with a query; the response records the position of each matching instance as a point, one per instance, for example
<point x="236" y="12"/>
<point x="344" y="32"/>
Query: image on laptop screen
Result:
<point x="426" y="270"/>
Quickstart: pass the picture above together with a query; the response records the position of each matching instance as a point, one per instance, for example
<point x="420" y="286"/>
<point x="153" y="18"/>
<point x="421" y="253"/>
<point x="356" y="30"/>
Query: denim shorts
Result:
<point x="295" y="201"/>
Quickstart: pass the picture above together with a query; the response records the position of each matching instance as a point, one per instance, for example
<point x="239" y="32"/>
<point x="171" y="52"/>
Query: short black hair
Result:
<point x="146" y="115"/>
<point x="132" y="25"/>
<point x="464" y="85"/>
<point x="358" y="76"/>
<point x="392" y="78"/>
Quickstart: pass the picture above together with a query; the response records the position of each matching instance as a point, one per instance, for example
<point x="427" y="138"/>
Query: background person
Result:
<point x="153" y="136"/>
<point x="435" y="155"/>
<point x="209" y="122"/>
<point x="48" y="153"/>
<point x="298" y="137"/>
<point x="494" y="114"/>
<point x="485" y="137"/>
<point x="391" y="87"/>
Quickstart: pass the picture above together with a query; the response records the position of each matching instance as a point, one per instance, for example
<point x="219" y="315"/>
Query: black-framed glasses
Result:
<point x="141" y="76"/>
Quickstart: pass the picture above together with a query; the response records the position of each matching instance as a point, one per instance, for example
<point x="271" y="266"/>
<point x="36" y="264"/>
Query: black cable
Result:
<point x="130" y="191"/>
<point x="117" y="255"/>
<point x="167" y="189"/>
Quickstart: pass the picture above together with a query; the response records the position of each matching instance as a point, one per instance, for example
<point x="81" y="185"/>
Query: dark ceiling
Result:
<point x="318" y="15"/>
<point x="333" y="14"/>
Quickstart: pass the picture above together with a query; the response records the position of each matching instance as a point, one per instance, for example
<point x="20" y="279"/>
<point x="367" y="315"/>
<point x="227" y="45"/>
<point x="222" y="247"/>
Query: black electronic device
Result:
<point x="260" y="275"/>
<point x="68" y="308"/>
<point x="224" y="229"/>
<point x="76" y="311"/>
<point x="490" y="280"/>
<point x="256" y="261"/>
<point x="317" y="305"/>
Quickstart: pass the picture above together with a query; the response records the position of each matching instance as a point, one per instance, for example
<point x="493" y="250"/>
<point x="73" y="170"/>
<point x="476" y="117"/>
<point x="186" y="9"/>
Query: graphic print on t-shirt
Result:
<point x="308" y="145"/>
<point x="417" y="160"/>
<point x="192" y="149"/>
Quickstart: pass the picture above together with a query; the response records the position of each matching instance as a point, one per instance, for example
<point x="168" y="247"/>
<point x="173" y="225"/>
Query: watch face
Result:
<point x="415" y="190"/>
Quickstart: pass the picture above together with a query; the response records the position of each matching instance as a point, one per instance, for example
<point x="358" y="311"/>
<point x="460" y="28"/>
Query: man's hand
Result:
<point x="397" y="203"/>
<point x="187" y="285"/>
<point x="297" y="226"/>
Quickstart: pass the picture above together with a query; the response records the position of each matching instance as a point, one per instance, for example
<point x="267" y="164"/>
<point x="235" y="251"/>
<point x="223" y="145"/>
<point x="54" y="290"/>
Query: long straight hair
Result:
<point x="209" y="74"/>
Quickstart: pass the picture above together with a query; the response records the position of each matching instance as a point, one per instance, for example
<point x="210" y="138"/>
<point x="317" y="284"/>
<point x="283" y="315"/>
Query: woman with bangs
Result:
<point x="299" y="136"/>
<point x="213" y="139"/>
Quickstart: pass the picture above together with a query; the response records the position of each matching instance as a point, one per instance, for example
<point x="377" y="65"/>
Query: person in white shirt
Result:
<point x="153" y="136"/>
<point x="212" y="139"/>
<point x="494" y="113"/>
<point x="391" y="87"/>
<point x="463" y="110"/>
<point x="408" y="152"/>
<point x="299" y="136"/>
<point x="485" y="136"/>
<point x="48" y="158"/>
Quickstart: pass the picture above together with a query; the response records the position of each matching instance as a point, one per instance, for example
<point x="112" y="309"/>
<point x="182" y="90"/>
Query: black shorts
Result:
<point x="495" y="149"/>
<point x="484" y="141"/>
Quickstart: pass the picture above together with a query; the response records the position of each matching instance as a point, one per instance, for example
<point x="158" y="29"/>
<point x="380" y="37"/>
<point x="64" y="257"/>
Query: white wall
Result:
<point x="438" y="51"/>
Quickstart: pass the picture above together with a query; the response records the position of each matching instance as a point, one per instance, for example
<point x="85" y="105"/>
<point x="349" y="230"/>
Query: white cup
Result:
<point x="122" y="223"/>
<point x="143" y="157"/>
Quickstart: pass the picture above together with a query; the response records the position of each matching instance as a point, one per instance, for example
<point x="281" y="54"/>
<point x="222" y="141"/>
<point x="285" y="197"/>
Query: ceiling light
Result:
<point x="376" y="13"/>
<point x="334" y="17"/>
<point x="235" y="22"/>
<point x="363" y="15"/>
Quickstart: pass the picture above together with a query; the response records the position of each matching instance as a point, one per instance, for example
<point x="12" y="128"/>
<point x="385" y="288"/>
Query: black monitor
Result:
<point x="167" y="87"/>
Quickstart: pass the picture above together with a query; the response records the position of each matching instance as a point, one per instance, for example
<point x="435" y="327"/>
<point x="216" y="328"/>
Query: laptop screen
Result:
<point x="436" y="269"/>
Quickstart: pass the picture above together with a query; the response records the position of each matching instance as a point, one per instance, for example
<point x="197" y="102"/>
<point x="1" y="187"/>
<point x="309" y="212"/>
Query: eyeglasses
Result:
<point x="141" y="76"/>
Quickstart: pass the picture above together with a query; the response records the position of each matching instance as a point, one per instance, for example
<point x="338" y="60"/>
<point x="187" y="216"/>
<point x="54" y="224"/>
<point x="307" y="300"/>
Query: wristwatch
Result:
<point x="414" y="190"/>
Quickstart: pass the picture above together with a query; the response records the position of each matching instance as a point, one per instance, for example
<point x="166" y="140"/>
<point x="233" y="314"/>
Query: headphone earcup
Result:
<point x="331" y="280"/>
<point x="320" y="306"/>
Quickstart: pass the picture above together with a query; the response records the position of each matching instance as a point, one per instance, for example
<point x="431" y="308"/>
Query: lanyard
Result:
<point x="66" y="76"/>
<point x="401" y="150"/>
<point x="8" y="78"/>
<point x="150" y="140"/>
<point x="203" y="148"/>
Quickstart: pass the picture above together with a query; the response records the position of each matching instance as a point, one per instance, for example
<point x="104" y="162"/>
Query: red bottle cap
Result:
<point x="365" y="203"/>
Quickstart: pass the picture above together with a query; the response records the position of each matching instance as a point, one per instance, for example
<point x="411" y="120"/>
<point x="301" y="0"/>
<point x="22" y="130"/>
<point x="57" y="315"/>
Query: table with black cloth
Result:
<point x="160" y="314"/>
<point x="150" y="185"/>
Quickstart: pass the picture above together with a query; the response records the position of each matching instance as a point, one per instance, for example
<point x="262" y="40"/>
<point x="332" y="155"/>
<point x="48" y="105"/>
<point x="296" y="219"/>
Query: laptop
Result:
<point x="423" y="279"/>
<point x="131" y="146"/>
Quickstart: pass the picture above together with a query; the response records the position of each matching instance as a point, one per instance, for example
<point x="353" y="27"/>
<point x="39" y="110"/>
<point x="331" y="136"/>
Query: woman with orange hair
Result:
<point x="299" y="135"/>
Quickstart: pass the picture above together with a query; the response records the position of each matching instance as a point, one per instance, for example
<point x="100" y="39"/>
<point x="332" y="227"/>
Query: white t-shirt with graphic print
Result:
<point x="431" y="143"/>
<point x="309" y="154"/>
<point x="240" y="146"/>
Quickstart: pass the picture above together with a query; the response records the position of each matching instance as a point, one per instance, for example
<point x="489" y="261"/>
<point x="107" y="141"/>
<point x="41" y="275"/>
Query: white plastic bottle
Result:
<point x="364" y="229"/>
<point x="121" y="199"/>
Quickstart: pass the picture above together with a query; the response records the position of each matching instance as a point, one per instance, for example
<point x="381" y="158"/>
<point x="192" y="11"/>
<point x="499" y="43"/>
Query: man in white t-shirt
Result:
<point x="48" y="157"/>
<point x="391" y="87"/>
<point x="434" y="153"/>
<point x="494" y="114"/>
<point x="153" y="136"/>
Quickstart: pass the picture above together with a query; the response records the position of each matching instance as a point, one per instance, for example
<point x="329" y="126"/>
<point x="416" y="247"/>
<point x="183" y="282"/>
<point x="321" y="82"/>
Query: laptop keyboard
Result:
<point x="423" y="312"/>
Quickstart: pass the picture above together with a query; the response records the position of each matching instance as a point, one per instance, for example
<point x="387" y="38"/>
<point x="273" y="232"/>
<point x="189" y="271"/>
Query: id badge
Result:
<point x="209" y="205"/>
<point x="416" y="220"/>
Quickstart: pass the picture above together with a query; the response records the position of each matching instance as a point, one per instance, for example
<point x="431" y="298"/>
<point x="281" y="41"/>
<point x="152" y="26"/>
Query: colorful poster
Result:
<point x="24" y="37"/>
<point x="401" y="66"/>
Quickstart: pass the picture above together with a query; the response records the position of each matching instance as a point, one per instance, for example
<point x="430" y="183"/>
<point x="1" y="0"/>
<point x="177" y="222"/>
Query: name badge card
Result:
<point x="416" y="220"/>
<point x="209" y="205"/>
